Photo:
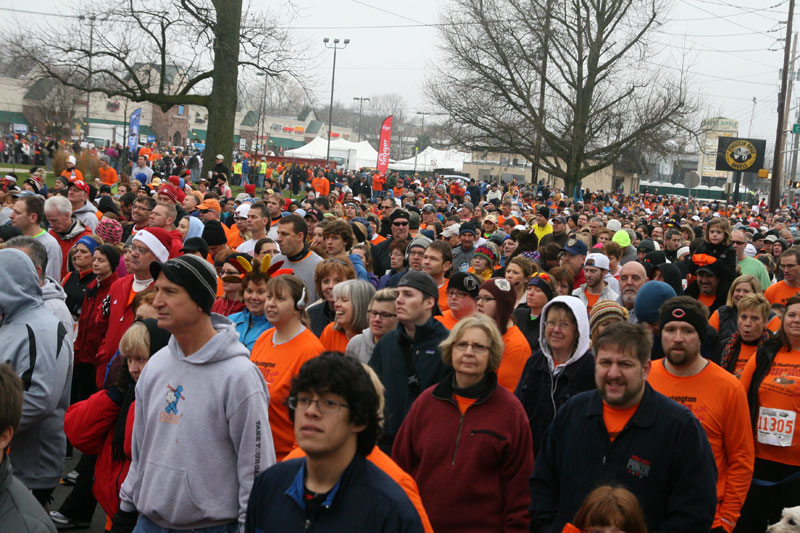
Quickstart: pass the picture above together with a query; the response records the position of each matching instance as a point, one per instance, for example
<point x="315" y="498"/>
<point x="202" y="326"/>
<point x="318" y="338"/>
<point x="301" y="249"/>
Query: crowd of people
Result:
<point x="341" y="350"/>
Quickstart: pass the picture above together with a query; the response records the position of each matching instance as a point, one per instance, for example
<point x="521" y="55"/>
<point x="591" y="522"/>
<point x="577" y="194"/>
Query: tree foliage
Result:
<point x="564" y="83"/>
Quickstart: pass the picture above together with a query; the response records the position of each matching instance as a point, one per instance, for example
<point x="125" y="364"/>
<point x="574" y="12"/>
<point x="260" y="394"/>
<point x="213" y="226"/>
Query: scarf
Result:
<point x="731" y="350"/>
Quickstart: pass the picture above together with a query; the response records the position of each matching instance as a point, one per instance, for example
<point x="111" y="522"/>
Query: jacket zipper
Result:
<point x="458" y="438"/>
<point x="308" y="524"/>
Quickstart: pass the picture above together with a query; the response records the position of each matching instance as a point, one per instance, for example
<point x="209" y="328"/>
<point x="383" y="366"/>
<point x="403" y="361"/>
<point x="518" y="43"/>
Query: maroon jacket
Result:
<point x="478" y="462"/>
<point x="89" y="426"/>
<point x="89" y="335"/>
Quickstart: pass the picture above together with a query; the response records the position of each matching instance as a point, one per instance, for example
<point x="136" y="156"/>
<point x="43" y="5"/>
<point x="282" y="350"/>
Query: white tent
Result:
<point x="431" y="158"/>
<point x="352" y="155"/>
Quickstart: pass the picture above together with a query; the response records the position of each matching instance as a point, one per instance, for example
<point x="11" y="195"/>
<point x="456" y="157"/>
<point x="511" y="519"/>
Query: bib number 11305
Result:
<point x="776" y="426"/>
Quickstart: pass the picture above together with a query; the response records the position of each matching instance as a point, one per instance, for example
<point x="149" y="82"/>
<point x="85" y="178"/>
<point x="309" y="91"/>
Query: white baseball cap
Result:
<point x="597" y="261"/>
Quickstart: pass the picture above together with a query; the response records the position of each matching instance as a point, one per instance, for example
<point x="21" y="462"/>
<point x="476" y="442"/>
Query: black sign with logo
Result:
<point x="740" y="155"/>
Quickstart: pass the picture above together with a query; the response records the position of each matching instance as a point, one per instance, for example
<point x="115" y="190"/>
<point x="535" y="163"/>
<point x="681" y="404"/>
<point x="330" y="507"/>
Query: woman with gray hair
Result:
<point x="468" y="439"/>
<point x="382" y="316"/>
<point x="350" y="302"/>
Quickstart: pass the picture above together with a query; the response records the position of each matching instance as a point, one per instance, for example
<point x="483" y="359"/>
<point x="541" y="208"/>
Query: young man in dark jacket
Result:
<point x="408" y="359"/>
<point x="625" y="433"/>
<point x="19" y="510"/>
<point x="334" y="488"/>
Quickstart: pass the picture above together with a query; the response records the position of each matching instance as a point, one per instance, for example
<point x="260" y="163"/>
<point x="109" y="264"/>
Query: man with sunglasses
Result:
<point x="399" y="221"/>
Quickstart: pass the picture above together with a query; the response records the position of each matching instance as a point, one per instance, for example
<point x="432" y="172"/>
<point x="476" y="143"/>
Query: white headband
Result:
<point x="11" y="178"/>
<point x="152" y="242"/>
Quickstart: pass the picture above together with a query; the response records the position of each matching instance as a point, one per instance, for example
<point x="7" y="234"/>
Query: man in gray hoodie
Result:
<point x="201" y="431"/>
<point x="39" y="349"/>
<point x="53" y="295"/>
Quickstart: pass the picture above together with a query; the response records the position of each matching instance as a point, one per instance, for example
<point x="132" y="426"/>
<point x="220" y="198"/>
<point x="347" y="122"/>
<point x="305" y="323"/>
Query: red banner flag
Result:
<point x="384" y="146"/>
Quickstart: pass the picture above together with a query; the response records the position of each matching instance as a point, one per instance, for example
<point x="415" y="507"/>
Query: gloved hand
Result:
<point x="124" y="521"/>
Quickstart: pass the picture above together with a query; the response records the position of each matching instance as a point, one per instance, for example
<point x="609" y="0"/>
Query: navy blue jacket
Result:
<point x="662" y="456"/>
<point x="389" y="362"/>
<point x="364" y="499"/>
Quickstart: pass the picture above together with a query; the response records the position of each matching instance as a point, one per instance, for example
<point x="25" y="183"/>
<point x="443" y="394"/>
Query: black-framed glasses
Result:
<point x="383" y="315"/>
<point x="325" y="406"/>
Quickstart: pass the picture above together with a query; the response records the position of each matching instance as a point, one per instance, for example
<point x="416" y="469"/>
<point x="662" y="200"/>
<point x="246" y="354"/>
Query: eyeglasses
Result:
<point x="140" y="250"/>
<point x="376" y="314"/>
<point x="477" y="349"/>
<point x="485" y="299"/>
<point x="456" y="294"/>
<point x="398" y="223"/>
<point x="326" y="407"/>
<point x="552" y="324"/>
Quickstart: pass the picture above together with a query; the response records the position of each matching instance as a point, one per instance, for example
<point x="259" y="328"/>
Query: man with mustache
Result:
<point x="632" y="276"/>
<point x="715" y="397"/>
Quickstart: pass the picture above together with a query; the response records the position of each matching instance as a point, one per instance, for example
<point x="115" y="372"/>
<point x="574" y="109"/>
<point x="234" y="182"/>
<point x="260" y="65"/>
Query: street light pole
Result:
<point x="361" y="101"/>
<point x="416" y="145"/>
<point x="335" y="46"/>
<point x="262" y="123"/>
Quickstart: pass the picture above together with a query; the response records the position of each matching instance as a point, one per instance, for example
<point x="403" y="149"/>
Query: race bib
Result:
<point x="775" y="426"/>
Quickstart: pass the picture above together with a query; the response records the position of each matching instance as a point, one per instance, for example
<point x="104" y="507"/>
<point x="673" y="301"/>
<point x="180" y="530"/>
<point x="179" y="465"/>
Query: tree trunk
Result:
<point x="224" y="95"/>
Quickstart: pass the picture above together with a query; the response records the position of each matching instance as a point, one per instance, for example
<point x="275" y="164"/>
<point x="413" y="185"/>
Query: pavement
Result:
<point x="61" y="493"/>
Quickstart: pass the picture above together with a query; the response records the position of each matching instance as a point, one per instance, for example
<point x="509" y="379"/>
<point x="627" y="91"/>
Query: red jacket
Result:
<point x="66" y="242"/>
<point x="89" y="335"/>
<point x="89" y="426"/>
<point x="478" y="462"/>
<point x="113" y="324"/>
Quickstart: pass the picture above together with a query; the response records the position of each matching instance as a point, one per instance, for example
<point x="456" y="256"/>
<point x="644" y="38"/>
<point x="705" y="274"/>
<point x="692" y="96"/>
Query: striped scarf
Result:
<point x="731" y="351"/>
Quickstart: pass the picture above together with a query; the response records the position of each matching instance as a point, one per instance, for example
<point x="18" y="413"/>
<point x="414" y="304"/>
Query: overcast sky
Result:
<point x="734" y="51"/>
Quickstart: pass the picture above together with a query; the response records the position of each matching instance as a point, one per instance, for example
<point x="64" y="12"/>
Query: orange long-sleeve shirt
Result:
<point x="516" y="353"/>
<point x="107" y="175"/>
<point x="390" y="468"/>
<point x="719" y="402"/>
<point x="322" y="186"/>
<point x="279" y="363"/>
<point x="777" y="397"/>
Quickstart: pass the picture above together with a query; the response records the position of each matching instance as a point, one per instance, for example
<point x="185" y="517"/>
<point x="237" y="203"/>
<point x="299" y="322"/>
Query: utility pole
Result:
<point x="777" y="163"/>
<point x="361" y="100"/>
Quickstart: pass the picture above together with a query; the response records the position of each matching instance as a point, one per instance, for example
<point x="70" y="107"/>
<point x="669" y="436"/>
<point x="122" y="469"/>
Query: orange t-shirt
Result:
<point x="515" y="355"/>
<point x="107" y="175"/>
<point x="279" y="363"/>
<point x="233" y="236"/>
<point x="706" y="299"/>
<point x="719" y="403"/>
<point x="616" y="418"/>
<point x="779" y="397"/>
<point x="333" y="340"/>
<point x="398" y="475"/>
<point x="591" y="299"/>
<point x="72" y="175"/>
<point x="443" y="304"/>
<point x="778" y="293"/>
<point x="464" y="403"/>
<point x="447" y="319"/>
<point x="746" y="352"/>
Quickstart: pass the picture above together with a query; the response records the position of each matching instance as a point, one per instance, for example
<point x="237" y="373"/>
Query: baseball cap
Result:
<point x="575" y="247"/>
<point x="210" y="204"/>
<point x="422" y="281"/>
<point x="314" y="213"/>
<point x="80" y="184"/>
<point x="597" y="260"/>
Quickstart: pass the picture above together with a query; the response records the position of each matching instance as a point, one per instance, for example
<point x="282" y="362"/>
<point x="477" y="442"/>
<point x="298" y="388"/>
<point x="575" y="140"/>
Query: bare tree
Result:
<point x="564" y="83"/>
<point x="167" y="52"/>
<point x="52" y="106"/>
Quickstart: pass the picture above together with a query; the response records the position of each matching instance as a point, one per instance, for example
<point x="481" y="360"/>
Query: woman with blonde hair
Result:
<point x="468" y="439"/>
<point x="382" y="316"/>
<point x="725" y="319"/>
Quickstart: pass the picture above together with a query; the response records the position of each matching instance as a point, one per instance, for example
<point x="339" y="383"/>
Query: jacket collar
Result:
<point x="445" y="389"/>
<point x="422" y="331"/>
<point x="6" y="475"/>
<point x="644" y="416"/>
<point x="296" y="490"/>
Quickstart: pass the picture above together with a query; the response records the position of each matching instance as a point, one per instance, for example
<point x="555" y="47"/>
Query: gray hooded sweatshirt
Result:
<point x="55" y="300"/>
<point x="584" y="337"/>
<point x="200" y="434"/>
<point x="361" y="346"/>
<point x="39" y="349"/>
<point x="87" y="215"/>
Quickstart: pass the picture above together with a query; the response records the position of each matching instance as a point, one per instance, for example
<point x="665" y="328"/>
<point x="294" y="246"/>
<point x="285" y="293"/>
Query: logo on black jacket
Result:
<point x="638" y="467"/>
